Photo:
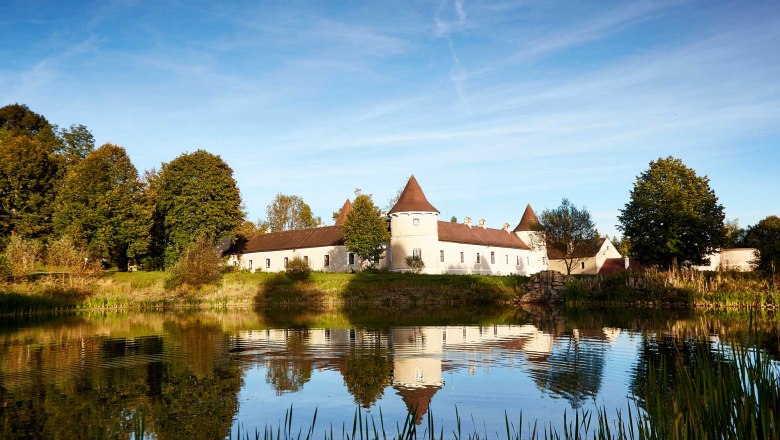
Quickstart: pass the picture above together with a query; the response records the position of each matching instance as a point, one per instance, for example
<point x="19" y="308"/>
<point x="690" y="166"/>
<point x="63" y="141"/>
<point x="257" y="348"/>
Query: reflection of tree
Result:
<point x="366" y="373"/>
<point x="106" y="388"/>
<point x="573" y="371"/>
<point x="290" y="370"/>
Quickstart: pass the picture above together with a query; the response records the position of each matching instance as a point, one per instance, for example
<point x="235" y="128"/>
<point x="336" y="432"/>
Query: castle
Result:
<point x="415" y="229"/>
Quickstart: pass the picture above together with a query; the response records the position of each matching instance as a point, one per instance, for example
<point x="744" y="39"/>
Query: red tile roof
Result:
<point x="343" y="213"/>
<point x="555" y="254"/>
<point x="460" y="233"/>
<point x="529" y="218"/>
<point x="612" y="265"/>
<point x="412" y="199"/>
<point x="417" y="399"/>
<point x="297" y="239"/>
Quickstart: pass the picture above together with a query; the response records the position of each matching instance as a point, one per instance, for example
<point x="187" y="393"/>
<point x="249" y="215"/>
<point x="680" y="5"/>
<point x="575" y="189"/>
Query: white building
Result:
<point x="415" y="229"/>
<point x="603" y="258"/>
<point x="734" y="259"/>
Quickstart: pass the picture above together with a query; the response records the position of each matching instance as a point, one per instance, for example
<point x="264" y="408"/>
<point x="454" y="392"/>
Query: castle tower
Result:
<point x="537" y="259"/>
<point x="414" y="229"/>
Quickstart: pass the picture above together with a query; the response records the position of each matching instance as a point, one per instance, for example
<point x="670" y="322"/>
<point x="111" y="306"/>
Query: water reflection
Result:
<point x="175" y="375"/>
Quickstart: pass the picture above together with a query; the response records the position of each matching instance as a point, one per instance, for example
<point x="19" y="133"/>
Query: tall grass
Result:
<point x="734" y="397"/>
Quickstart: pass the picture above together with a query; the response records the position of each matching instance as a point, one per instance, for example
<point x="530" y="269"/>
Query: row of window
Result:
<point x="418" y="253"/>
<point x="325" y="261"/>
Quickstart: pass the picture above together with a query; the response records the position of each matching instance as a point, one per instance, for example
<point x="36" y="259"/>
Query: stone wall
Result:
<point x="544" y="287"/>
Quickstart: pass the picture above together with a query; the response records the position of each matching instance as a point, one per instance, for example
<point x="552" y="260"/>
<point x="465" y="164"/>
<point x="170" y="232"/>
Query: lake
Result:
<point x="206" y="374"/>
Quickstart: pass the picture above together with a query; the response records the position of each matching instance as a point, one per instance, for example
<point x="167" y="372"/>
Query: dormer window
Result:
<point x="416" y="222"/>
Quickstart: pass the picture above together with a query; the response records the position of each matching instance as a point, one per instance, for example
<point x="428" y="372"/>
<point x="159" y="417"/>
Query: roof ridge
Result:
<point x="412" y="199"/>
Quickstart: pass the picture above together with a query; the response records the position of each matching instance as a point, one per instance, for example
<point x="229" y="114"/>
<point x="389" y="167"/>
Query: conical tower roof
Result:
<point x="529" y="218"/>
<point x="343" y="213"/>
<point x="412" y="199"/>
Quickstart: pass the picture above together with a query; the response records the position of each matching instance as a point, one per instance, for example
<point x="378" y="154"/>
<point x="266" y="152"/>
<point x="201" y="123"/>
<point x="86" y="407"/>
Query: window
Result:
<point x="306" y="259"/>
<point x="351" y="258"/>
<point x="286" y="260"/>
<point x="518" y="260"/>
<point x="326" y="263"/>
<point x="544" y="260"/>
<point x="507" y="259"/>
<point x="267" y="263"/>
<point x="582" y="265"/>
<point x="461" y="257"/>
<point x="477" y="257"/>
<point x="416" y="222"/>
<point x="492" y="258"/>
<point x="250" y="265"/>
<point x="417" y="253"/>
<point x="441" y="256"/>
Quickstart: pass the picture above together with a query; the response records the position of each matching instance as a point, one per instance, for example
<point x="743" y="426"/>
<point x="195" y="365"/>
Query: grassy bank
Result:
<point x="152" y="290"/>
<point x="682" y="288"/>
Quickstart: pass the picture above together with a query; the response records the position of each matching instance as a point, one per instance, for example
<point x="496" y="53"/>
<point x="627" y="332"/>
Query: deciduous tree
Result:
<point x="287" y="213"/>
<point x="568" y="233"/>
<point x="765" y="236"/>
<point x="194" y="195"/>
<point x="365" y="231"/>
<point x="673" y="215"/>
<point x="101" y="202"/>
<point x="76" y="143"/>
<point x="29" y="179"/>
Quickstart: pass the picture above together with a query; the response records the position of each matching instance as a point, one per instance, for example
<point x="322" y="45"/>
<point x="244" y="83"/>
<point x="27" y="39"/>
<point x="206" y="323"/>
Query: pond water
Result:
<point x="207" y="374"/>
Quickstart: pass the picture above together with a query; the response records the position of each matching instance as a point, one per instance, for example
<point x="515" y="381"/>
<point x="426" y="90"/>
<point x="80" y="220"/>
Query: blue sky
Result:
<point x="491" y="105"/>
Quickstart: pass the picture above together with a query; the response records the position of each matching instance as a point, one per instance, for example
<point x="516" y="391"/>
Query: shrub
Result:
<point x="201" y="263"/>
<point x="22" y="257"/>
<point x="415" y="263"/>
<point x="65" y="256"/>
<point x="298" y="269"/>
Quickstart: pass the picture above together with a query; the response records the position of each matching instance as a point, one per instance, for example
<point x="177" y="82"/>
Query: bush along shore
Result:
<point x="690" y="288"/>
<point x="158" y="290"/>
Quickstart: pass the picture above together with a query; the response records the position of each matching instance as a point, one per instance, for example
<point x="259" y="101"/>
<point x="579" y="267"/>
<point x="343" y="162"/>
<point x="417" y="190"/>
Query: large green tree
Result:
<point x="765" y="236"/>
<point x="673" y="215"/>
<point x="286" y="213"/>
<point x="101" y="202"/>
<point x="29" y="180"/>
<point x="19" y="120"/>
<point x="76" y="142"/>
<point x="365" y="231"/>
<point x="194" y="195"/>
<point x="568" y="234"/>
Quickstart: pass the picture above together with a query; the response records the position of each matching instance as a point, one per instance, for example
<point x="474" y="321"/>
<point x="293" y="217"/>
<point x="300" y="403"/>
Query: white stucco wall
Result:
<point x="339" y="259"/>
<point x="592" y="265"/>
<point x="406" y="236"/>
<point x="739" y="259"/>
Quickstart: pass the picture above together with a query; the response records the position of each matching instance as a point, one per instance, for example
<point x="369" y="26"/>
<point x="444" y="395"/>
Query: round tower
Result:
<point x="414" y="230"/>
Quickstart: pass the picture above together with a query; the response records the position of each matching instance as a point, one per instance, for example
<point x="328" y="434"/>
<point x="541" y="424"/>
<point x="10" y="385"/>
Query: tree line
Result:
<point x="55" y="185"/>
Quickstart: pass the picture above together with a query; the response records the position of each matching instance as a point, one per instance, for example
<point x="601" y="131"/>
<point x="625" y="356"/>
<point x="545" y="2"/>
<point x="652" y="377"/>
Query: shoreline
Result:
<point x="329" y="291"/>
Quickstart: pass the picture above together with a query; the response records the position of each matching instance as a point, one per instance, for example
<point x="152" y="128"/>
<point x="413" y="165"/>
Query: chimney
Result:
<point x="467" y="221"/>
<point x="625" y="262"/>
<point x="505" y="227"/>
<point x="482" y="223"/>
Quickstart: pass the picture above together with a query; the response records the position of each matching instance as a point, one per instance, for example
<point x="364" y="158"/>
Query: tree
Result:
<point x="453" y="219"/>
<point x="76" y="143"/>
<point x="365" y="231"/>
<point x="101" y="202"/>
<point x="19" y="120"/>
<point x="673" y="216"/>
<point x="735" y="235"/>
<point x="568" y="234"/>
<point x="201" y="263"/>
<point x="67" y="257"/>
<point x="193" y="195"/>
<point x="29" y="179"/>
<point x="23" y="256"/>
<point x="287" y="213"/>
<point x="765" y="236"/>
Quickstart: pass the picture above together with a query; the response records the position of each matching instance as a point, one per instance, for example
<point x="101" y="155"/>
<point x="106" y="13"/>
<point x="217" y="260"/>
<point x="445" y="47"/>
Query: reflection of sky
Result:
<point x="482" y="379"/>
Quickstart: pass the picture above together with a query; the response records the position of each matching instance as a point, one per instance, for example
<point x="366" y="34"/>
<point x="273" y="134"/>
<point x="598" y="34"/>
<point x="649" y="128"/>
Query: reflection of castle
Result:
<point x="416" y="357"/>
